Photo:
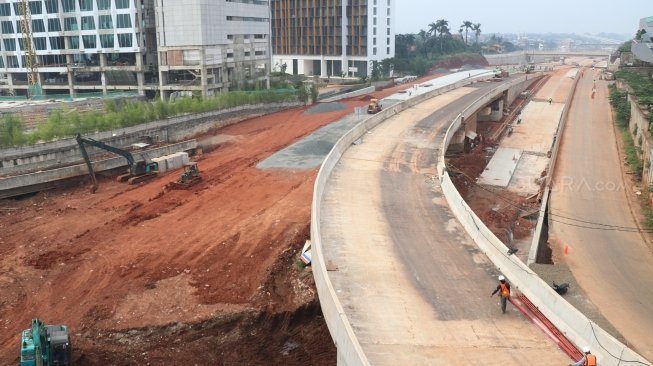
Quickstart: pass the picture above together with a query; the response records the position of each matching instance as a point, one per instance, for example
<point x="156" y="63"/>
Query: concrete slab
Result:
<point x="537" y="129"/>
<point x="557" y="87"/>
<point x="501" y="167"/>
<point x="526" y="177"/>
<point x="426" y="87"/>
<point x="309" y="152"/>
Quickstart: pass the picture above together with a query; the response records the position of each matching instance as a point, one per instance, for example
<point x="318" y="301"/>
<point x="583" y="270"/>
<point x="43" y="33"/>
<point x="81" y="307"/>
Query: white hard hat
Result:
<point x="586" y="349"/>
<point x="501" y="278"/>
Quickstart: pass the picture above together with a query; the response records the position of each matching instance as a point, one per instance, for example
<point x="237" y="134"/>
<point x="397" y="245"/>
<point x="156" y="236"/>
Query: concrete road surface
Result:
<point x="413" y="284"/>
<point x="615" y="268"/>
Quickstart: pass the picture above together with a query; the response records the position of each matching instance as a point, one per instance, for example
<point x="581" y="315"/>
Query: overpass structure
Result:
<point x="525" y="57"/>
<point x="403" y="266"/>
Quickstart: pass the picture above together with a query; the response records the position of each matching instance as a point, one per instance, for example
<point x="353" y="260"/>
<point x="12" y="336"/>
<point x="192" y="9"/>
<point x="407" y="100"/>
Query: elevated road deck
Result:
<point x="412" y="283"/>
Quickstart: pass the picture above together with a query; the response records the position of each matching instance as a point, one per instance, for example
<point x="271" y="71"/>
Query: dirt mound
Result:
<point x="123" y="267"/>
<point x="458" y="61"/>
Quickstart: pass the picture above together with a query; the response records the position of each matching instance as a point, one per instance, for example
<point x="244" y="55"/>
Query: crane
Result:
<point x="34" y="88"/>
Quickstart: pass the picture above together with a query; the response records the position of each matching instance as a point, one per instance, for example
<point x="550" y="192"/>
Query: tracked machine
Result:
<point x="138" y="171"/>
<point x="45" y="345"/>
<point x="188" y="178"/>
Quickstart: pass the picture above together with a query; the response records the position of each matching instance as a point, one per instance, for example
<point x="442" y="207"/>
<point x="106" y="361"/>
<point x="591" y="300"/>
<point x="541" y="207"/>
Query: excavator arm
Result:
<point x="81" y="141"/>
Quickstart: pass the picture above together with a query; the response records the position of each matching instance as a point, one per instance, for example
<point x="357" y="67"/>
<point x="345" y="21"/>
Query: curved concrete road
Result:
<point x="413" y="284"/>
<point x="615" y="268"/>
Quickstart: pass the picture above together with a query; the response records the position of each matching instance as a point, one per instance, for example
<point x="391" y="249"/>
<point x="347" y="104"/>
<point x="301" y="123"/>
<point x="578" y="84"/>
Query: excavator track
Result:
<point x="141" y="178"/>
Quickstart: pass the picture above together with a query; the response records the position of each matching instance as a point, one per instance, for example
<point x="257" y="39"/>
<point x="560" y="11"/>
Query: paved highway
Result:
<point x="413" y="285"/>
<point x="615" y="268"/>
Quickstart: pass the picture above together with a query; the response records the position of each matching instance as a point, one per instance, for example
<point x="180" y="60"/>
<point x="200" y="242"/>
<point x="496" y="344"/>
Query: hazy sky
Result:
<point x="524" y="16"/>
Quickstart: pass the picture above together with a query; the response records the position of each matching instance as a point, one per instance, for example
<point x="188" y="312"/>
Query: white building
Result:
<point x="80" y="45"/>
<point x="210" y="45"/>
<point x="643" y="49"/>
<point x="332" y="37"/>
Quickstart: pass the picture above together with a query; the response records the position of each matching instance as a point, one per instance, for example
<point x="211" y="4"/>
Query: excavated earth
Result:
<point x="205" y="276"/>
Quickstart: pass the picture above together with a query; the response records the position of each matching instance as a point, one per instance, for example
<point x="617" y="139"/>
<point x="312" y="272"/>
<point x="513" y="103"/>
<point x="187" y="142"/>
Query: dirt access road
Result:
<point x="205" y="276"/>
<point x="614" y="267"/>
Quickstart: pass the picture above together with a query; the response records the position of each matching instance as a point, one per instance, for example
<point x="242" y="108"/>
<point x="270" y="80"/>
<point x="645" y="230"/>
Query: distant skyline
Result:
<point x="512" y="16"/>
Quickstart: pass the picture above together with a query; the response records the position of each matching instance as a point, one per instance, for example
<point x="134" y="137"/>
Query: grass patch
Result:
<point x="632" y="152"/>
<point x="621" y="106"/>
<point x="641" y="84"/>
<point x="648" y="218"/>
<point x="65" y="122"/>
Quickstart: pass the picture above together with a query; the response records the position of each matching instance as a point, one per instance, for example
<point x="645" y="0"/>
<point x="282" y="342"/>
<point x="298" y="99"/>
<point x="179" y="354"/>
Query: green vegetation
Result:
<point x="640" y="83"/>
<point x="625" y="47"/>
<point x="621" y="106"/>
<point x="11" y="131"/>
<point x="66" y="122"/>
<point x="648" y="218"/>
<point x="632" y="153"/>
<point x="417" y="53"/>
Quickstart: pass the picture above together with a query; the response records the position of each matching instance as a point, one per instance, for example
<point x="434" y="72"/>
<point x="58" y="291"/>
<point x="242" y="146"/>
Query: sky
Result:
<point x="520" y="16"/>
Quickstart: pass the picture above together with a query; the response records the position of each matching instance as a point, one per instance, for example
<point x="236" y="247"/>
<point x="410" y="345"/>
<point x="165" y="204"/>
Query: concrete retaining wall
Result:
<point x="24" y="181"/>
<point x="535" y="243"/>
<point x="45" y="155"/>
<point x="350" y="352"/>
<point x="357" y="93"/>
<point x="575" y="325"/>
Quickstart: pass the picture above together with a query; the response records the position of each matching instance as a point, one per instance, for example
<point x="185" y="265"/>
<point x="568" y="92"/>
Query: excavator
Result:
<point x="45" y="345"/>
<point x="139" y="171"/>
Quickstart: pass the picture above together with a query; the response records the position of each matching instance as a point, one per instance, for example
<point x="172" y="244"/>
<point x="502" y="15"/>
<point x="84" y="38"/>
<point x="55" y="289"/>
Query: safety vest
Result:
<point x="590" y="360"/>
<point x="504" y="290"/>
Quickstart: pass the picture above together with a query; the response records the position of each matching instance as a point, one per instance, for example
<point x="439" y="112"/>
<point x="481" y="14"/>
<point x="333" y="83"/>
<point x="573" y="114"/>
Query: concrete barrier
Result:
<point x="350" y="352"/>
<point x="174" y="129"/>
<point x="24" y="181"/>
<point x="555" y="146"/>
<point x="356" y="93"/>
<point x="575" y="325"/>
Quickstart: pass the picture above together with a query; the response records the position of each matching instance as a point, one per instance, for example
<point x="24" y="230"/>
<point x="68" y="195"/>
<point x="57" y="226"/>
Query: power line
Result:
<point x="594" y="225"/>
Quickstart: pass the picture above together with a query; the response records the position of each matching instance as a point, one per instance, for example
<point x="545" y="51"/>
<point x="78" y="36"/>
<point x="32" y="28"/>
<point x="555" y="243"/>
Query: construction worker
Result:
<point x="504" y="292"/>
<point x="588" y="358"/>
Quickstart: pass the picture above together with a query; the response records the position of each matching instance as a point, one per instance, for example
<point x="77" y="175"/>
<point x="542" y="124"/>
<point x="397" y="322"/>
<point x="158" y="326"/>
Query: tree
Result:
<point x="404" y="44"/>
<point x="376" y="71"/>
<point x="639" y="34"/>
<point x="467" y="25"/>
<point x="387" y="66"/>
<point x="302" y="95"/>
<point x="433" y="30"/>
<point x="477" y="30"/>
<point x="11" y="131"/>
<point x="441" y="27"/>
<point x="315" y="92"/>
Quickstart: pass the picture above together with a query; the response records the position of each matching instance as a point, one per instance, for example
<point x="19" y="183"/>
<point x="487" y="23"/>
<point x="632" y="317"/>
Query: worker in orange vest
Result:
<point x="504" y="292"/>
<point x="588" y="358"/>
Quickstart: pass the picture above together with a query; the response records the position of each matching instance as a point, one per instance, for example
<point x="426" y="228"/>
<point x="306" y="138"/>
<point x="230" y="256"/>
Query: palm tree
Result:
<point x="442" y="27"/>
<point x="433" y="29"/>
<point x="477" y="30"/>
<point x="467" y="25"/>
